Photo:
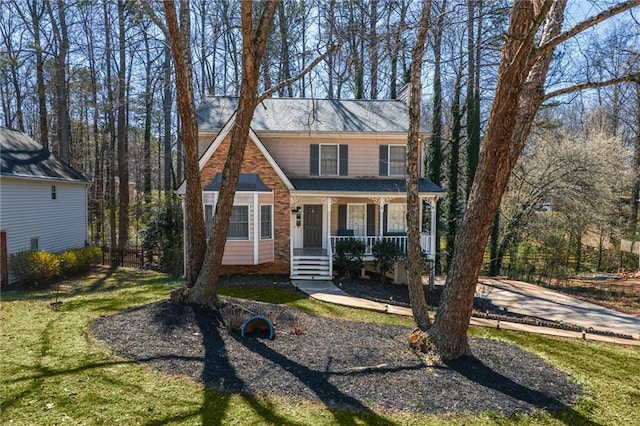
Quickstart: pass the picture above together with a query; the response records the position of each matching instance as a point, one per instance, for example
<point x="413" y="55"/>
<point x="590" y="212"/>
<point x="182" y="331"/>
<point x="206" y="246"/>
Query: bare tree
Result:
<point x="533" y="34"/>
<point x="414" y="254"/>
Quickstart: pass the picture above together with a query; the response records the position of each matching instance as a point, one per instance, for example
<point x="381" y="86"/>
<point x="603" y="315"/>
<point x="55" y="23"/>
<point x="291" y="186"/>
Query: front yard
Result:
<point x="54" y="370"/>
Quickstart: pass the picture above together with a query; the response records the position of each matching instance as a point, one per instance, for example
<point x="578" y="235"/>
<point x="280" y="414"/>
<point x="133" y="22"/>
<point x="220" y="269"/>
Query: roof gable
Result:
<point x="220" y="137"/>
<point x="21" y="156"/>
<point x="310" y="115"/>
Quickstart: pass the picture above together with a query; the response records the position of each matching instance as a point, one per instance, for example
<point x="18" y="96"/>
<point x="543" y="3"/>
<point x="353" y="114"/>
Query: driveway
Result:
<point x="533" y="300"/>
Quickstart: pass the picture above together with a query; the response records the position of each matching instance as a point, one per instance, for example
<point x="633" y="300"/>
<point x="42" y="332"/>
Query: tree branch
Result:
<point x="584" y="25"/>
<point x="298" y="76"/>
<point x="592" y="85"/>
<point x="146" y="5"/>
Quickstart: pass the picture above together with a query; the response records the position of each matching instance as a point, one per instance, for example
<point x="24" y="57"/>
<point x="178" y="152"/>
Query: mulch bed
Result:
<point x="342" y="364"/>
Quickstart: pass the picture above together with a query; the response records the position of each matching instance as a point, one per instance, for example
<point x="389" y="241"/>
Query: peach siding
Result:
<point x="265" y="251"/>
<point x="238" y="253"/>
<point x="292" y="152"/>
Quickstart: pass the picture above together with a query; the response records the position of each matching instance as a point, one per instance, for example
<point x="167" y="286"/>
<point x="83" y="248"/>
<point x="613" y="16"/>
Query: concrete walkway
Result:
<point x="326" y="291"/>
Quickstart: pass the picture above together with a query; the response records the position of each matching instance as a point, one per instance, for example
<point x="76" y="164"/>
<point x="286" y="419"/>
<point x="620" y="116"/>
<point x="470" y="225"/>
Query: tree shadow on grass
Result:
<point x="475" y="370"/>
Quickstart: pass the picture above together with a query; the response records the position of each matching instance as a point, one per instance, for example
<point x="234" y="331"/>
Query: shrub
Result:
<point x="348" y="256"/>
<point x="80" y="260"/>
<point x="386" y="254"/>
<point x="35" y="267"/>
<point x="164" y="233"/>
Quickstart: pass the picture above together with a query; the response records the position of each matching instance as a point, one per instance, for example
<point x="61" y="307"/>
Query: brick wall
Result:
<point x="255" y="162"/>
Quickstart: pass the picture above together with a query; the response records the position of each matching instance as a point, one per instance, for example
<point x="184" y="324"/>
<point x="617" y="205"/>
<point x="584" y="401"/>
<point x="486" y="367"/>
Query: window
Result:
<point x="396" y="217"/>
<point x="35" y="243"/>
<point x="53" y="192"/>
<point x="397" y="160"/>
<point x="328" y="160"/>
<point x="266" y="222"/>
<point x="208" y="219"/>
<point x="357" y="219"/>
<point x="239" y="223"/>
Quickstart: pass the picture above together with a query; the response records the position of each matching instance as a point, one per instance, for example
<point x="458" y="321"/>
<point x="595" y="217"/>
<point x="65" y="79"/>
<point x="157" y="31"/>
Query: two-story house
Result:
<point x="315" y="171"/>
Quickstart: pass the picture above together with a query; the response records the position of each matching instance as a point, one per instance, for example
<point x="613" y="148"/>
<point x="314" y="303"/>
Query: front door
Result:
<point x="312" y="225"/>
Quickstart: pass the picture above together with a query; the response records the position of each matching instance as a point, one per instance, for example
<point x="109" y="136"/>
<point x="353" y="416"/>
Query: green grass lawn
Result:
<point x="53" y="372"/>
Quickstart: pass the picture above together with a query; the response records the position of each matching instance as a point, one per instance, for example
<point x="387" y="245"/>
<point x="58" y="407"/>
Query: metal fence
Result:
<point x="133" y="257"/>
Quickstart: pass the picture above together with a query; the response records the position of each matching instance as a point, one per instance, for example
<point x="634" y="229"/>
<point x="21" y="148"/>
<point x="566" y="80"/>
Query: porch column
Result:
<point x="381" y="201"/>
<point x="329" y="201"/>
<point x="433" y="202"/>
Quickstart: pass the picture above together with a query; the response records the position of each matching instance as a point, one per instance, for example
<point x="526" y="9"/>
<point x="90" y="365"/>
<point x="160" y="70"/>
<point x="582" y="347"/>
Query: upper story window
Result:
<point x="239" y="223"/>
<point x="54" y="195"/>
<point x="329" y="160"/>
<point x="397" y="160"/>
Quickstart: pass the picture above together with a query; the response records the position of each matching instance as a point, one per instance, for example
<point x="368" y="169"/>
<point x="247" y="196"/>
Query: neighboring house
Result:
<point x="43" y="201"/>
<point x="315" y="171"/>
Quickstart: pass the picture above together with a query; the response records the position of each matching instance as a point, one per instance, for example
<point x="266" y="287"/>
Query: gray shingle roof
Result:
<point x="310" y="115"/>
<point x="21" y="156"/>
<point x="250" y="182"/>
<point x="338" y="185"/>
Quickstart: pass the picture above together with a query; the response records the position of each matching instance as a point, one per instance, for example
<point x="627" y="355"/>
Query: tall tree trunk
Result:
<point x="193" y="218"/>
<point x="36" y="15"/>
<point x="148" y="111"/>
<point x="497" y="159"/>
<point x="473" y="90"/>
<point x="110" y="134"/>
<point x="167" y="102"/>
<point x="373" y="48"/>
<point x="635" y="194"/>
<point x="123" y="143"/>
<point x="60" y="34"/>
<point x="436" y="156"/>
<point x="285" y="73"/>
<point x="253" y="46"/>
<point x="414" y="253"/>
<point x="453" y="208"/>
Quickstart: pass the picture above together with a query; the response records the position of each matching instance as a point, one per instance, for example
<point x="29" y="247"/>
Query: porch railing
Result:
<point x="370" y="241"/>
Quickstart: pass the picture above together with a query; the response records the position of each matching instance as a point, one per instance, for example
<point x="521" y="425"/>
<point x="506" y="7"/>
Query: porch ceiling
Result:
<point x="361" y="186"/>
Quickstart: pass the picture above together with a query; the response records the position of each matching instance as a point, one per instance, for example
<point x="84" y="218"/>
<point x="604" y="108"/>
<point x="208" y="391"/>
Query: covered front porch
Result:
<point x="319" y="222"/>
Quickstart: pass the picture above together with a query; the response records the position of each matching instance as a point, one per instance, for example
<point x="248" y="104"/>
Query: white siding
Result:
<point x="27" y="211"/>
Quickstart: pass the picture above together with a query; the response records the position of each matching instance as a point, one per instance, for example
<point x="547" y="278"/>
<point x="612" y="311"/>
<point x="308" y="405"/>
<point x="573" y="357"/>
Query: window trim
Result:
<point x="337" y="147"/>
<point x="248" y="237"/>
<point x="271" y="224"/>
<point x="348" y="221"/>
<point x="404" y="171"/>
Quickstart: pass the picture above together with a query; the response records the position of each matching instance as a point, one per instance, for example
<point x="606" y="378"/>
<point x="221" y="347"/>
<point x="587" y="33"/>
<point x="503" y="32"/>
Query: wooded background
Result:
<point x="93" y="82"/>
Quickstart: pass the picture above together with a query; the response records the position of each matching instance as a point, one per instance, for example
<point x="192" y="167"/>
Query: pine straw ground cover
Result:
<point x="342" y="364"/>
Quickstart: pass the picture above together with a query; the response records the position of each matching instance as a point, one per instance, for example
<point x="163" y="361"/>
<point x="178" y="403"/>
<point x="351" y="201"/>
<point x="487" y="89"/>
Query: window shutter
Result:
<point x="314" y="160"/>
<point x="385" y="217"/>
<point x="384" y="166"/>
<point x="342" y="216"/>
<point x="371" y="219"/>
<point x="344" y="160"/>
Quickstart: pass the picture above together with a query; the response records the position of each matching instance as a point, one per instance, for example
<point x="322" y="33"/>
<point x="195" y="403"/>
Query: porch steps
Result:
<point x="310" y="268"/>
